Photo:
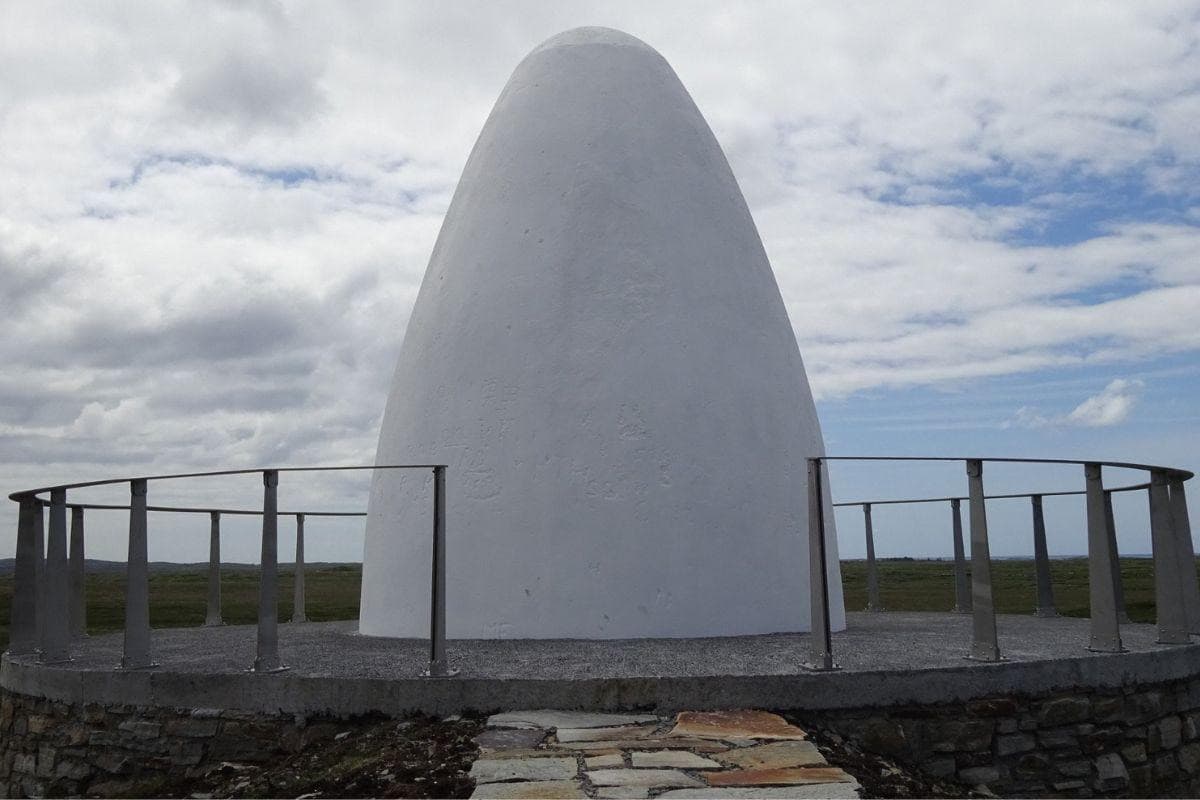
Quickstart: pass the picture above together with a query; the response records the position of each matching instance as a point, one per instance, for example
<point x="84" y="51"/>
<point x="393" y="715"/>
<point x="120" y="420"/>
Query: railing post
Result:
<point x="137" y="584"/>
<point x="78" y="575"/>
<point x="56" y="646"/>
<point x="985" y="645"/>
<point x="298" y="614"/>
<point x="267" y="658"/>
<point x="1105" y="629"/>
<point x="23" y="628"/>
<point x="1041" y="561"/>
<point x="1114" y="554"/>
<point x="873" y="603"/>
<point x="822" y="641"/>
<point x="962" y="586"/>
<point x="1169" y="603"/>
<point x="438" y="668"/>
<point x="1187" y="554"/>
<point x="212" y="616"/>
<point x="39" y="546"/>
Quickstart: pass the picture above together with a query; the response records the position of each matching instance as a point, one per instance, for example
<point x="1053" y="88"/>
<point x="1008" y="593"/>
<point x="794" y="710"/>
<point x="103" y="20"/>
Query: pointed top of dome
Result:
<point x="594" y="35"/>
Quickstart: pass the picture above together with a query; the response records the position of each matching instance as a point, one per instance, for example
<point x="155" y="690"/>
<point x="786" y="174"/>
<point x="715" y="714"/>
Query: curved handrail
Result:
<point x="251" y="512"/>
<point x="41" y="580"/>
<point x="17" y="496"/>
<point x="1177" y="594"/>
<point x="1174" y="472"/>
<point x="1133" y="487"/>
<point x="1171" y="539"/>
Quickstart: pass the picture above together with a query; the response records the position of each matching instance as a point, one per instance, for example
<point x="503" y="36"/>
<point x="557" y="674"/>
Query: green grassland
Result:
<point x="177" y="598"/>
<point x="913" y="585"/>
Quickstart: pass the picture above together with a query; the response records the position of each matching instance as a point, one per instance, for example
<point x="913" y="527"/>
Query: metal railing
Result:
<point x="48" y="608"/>
<point x="1177" y="593"/>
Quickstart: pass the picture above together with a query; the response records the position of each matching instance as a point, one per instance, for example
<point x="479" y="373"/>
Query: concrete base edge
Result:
<point x="290" y="692"/>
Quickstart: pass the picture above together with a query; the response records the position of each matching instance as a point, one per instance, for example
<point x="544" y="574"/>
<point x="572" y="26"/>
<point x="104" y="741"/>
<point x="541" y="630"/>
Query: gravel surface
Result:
<point x="881" y="641"/>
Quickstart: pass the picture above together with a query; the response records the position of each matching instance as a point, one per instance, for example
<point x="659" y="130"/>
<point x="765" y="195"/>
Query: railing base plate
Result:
<point x="268" y="670"/>
<point x="52" y="662"/>
<point x="449" y="673"/>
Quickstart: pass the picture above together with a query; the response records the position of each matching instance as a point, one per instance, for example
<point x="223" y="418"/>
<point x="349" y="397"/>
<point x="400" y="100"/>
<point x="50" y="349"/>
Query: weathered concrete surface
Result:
<point x="888" y="659"/>
<point x="600" y="352"/>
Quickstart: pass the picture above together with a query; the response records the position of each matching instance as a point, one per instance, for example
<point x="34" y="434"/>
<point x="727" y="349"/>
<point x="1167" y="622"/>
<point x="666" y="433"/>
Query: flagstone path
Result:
<point x="733" y="754"/>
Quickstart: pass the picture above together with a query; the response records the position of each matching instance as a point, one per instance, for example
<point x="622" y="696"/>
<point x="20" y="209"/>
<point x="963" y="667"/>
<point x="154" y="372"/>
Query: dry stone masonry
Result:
<point x="50" y="748"/>
<point x="1142" y="740"/>
<point x="1134" y="742"/>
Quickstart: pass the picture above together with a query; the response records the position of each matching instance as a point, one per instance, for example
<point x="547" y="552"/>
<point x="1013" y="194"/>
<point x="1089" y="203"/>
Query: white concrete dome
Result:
<point x="600" y="353"/>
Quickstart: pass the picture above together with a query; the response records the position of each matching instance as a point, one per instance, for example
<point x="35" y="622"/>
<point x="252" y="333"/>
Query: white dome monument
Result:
<point x="600" y="353"/>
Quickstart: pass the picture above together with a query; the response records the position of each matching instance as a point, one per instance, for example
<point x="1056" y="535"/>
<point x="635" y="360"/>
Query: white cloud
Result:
<point x="170" y="170"/>
<point x="1111" y="406"/>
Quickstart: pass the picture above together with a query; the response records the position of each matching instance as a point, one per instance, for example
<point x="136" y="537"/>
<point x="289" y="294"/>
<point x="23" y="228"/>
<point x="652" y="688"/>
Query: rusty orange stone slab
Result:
<point x="741" y="724"/>
<point x="792" y="776"/>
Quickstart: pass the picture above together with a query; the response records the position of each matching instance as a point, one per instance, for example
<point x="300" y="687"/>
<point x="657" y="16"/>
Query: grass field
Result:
<point x="177" y="599"/>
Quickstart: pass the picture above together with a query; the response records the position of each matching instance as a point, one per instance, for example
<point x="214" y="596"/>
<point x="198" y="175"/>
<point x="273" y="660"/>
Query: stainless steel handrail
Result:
<point x="48" y="606"/>
<point x="1016" y="495"/>
<point x="1177" y="591"/>
<point x="44" y="616"/>
<point x="16" y="496"/>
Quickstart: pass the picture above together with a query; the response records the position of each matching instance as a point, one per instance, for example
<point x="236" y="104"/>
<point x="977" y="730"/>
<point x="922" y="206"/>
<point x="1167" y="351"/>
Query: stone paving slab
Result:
<point x="735" y="754"/>
<point x="775" y="755"/>
<point x="650" y="743"/>
<point x="496" y="770"/>
<point x="526" y="752"/>
<point x="602" y="734"/>
<point x="816" y="791"/>
<point x="530" y="790"/>
<point x="737" y="724"/>
<point x="775" y="777"/>
<point x="677" y="759"/>
<point x="650" y="778"/>
<point x="509" y="738"/>
<point x="623" y="792"/>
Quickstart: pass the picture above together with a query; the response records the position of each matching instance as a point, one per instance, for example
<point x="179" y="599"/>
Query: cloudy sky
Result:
<point x="214" y="218"/>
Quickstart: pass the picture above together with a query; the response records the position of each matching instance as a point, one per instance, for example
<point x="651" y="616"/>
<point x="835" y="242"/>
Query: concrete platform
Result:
<point x="887" y="658"/>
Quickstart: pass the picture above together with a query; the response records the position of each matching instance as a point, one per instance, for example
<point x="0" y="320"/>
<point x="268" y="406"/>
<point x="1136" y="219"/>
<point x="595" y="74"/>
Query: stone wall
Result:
<point x="50" y="748"/>
<point x="1142" y="741"/>
<point x="1139" y="741"/>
